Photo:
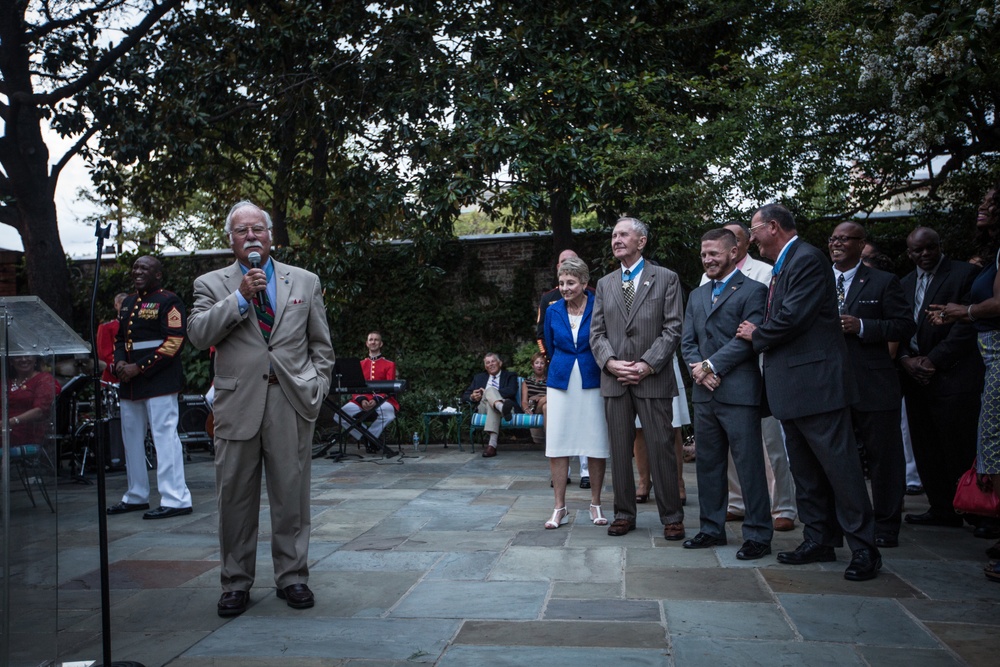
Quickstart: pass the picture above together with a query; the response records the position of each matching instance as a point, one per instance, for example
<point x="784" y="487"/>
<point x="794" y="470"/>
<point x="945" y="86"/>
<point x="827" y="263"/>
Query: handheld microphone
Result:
<point x="254" y="258"/>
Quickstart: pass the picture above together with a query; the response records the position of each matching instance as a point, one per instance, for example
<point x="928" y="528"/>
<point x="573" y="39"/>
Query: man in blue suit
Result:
<point x="492" y="393"/>
<point x="809" y="387"/>
<point x="726" y="396"/>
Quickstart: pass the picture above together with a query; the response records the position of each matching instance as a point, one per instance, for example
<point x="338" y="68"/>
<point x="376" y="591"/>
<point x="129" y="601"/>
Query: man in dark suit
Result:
<point x="635" y="330"/>
<point x="942" y="376"/>
<point x="873" y="315"/>
<point x="726" y="396"/>
<point x="492" y="393"/>
<point x="809" y="387"/>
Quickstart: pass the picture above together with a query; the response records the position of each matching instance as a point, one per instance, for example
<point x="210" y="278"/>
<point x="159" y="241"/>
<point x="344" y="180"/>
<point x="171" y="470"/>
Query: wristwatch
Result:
<point x="706" y="367"/>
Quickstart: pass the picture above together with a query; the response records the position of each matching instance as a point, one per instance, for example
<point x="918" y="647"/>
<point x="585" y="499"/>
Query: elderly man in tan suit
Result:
<point x="273" y="366"/>
<point x="635" y="331"/>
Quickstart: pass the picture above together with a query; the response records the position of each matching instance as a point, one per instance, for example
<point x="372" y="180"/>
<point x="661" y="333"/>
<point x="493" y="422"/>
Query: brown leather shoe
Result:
<point x="783" y="524"/>
<point x="298" y="596"/>
<point x="673" y="531"/>
<point x="733" y="517"/>
<point x="490" y="451"/>
<point x="620" y="527"/>
<point x="233" y="603"/>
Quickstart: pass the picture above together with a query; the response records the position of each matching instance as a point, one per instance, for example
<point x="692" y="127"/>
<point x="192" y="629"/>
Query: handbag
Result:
<point x="975" y="497"/>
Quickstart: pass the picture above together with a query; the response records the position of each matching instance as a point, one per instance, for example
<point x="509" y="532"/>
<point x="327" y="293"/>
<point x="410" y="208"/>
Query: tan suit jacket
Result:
<point x="259" y="422"/>
<point x="299" y="350"/>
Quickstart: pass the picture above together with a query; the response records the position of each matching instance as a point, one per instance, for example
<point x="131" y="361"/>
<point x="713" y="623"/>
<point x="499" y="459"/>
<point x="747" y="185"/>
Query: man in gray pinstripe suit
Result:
<point x="635" y="330"/>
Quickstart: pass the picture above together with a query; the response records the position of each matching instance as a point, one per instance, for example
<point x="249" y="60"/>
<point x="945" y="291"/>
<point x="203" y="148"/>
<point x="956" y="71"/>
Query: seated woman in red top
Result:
<point x="30" y="392"/>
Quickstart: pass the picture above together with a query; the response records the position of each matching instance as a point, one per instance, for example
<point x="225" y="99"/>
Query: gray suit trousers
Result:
<point x="656" y="415"/>
<point x="721" y="429"/>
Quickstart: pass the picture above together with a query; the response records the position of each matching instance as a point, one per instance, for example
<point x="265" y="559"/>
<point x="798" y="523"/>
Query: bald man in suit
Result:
<point x="635" y="330"/>
<point x="273" y="365"/>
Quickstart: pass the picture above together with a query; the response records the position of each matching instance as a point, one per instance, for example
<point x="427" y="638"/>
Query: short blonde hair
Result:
<point x="576" y="267"/>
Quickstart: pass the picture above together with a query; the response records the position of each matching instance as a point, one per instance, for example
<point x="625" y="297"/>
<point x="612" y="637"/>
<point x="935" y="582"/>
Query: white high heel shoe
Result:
<point x="559" y="517"/>
<point x="597" y="516"/>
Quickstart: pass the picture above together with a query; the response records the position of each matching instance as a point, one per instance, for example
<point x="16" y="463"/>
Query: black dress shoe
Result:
<point x="932" y="518"/>
<point x="886" y="541"/>
<point x="914" y="490"/>
<point x="123" y="507"/>
<point x="166" y="512"/>
<point x="233" y="603"/>
<point x="988" y="529"/>
<point x="807" y="552"/>
<point x="508" y="409"/>
<point x="752" y="550"/>
<point x="584" y="482"/>
<point x="704" y="541"/>
<point x="298" y="596"/>
<point x="865" y="564"/>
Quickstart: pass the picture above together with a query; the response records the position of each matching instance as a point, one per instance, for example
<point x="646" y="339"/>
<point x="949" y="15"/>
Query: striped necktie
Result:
<point x="265" y="315"/>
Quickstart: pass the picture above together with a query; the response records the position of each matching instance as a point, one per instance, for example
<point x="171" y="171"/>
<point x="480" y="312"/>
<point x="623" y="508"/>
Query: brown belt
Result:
<point x="272" y="378"/>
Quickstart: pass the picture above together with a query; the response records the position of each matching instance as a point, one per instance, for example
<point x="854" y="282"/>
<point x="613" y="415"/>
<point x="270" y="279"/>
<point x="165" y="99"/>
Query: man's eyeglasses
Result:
<point x="240" y="232"/>
<point x="844" y="239"/>
<point x="758" y="225"/>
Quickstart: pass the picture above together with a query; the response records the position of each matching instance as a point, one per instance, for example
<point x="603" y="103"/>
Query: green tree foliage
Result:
<point x="858" y="101"/>
<point x="54" y="60"/>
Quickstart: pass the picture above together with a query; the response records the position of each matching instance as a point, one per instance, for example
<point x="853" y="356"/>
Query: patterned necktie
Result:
<point x="841" y="295"/>
<point x="918" y="300"/>
<point x="628" y="291"/>
<point x="494" y="382"/>
<point x="918" y="303"/>
<point x="265" y="315"/>
<point x="770" y="295"/>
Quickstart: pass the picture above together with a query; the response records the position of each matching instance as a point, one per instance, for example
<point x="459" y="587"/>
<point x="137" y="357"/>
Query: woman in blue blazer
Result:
<point x="574" y="424"/>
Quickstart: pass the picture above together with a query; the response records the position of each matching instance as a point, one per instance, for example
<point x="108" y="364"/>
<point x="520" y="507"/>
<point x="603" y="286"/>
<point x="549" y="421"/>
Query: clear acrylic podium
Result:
<point x="29" y="330"/>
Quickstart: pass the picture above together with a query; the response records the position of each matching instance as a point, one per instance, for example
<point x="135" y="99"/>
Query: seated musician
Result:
<point x="375" y="367"/>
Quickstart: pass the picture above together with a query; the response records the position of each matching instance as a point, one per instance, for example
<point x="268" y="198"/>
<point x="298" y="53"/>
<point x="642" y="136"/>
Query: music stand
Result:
<point x="350" y="379"/>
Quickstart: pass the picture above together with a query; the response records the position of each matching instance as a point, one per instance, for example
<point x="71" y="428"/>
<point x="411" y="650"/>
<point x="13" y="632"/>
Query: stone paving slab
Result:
<point x="600" y="564"/>
<point x="563" y="633"/>
<point x="418" y="641"/>
<point x="517" y="656"/>
<point x="883" y="656"/>
<point x="708" y="652"/>
<point x="865" y="620"/>
<point x="793" y="579"/>
<point x="734" y="620"/>
<point x="696" y="584"/>
<point x="473" y="599"/>
<point x="603" y="610"/>
<point x="978" y="645"/>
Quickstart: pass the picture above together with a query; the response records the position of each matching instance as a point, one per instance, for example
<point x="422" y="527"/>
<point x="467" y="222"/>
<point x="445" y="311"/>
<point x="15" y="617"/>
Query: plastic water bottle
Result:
<point x="416" y="441"/>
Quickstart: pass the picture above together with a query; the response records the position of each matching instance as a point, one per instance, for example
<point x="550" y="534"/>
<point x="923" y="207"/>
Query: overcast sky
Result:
<point x="77" y="236"/>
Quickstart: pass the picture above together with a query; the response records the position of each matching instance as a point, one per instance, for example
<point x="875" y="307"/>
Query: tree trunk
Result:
<point x="562" y="223"/>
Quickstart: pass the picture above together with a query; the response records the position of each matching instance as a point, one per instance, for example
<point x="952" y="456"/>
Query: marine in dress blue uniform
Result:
<point x="151" y="332"/>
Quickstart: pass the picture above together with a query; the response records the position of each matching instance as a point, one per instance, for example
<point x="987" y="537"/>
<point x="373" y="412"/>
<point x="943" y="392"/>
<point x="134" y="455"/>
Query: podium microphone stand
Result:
<point x="101" y="445"/>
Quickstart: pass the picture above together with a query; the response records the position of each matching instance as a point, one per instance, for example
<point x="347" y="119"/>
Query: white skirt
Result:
<point x="574" y="422"/>
<point x="681" y="413"/>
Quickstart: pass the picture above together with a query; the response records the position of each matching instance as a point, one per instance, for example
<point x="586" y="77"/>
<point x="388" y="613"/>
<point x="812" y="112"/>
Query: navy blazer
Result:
<point x="876" y="298"/>
<point x="508" y="385"/>
<point x="806" y="370"/>
<point x="559" y="343"/>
